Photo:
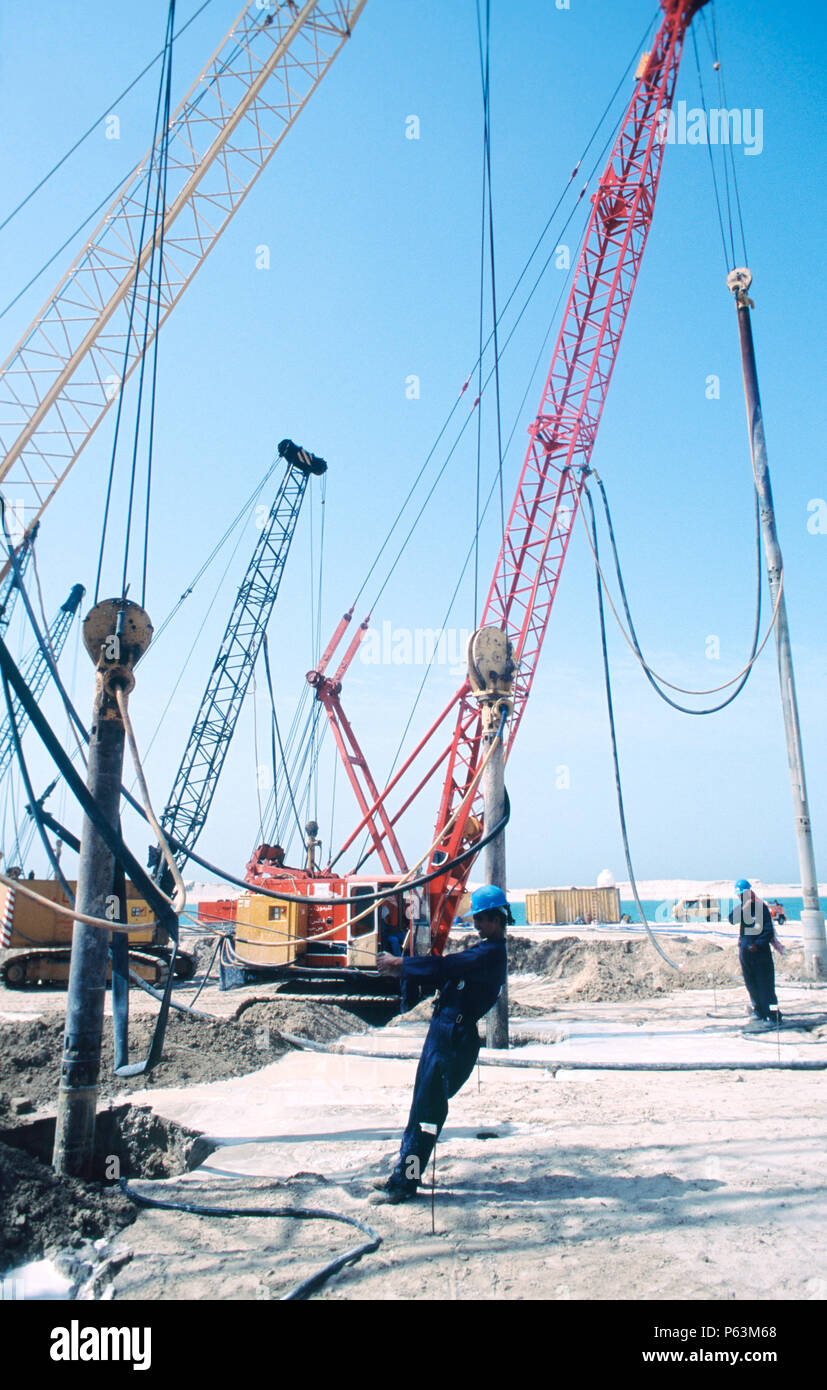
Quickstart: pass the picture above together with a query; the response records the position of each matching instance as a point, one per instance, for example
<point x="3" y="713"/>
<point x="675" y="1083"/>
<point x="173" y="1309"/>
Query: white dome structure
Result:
<point x="606" y="879"/>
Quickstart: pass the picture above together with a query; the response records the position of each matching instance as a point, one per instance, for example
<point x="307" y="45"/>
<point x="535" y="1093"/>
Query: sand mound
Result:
<point x="616" y="970"/>
<point x="318" y="1022"/>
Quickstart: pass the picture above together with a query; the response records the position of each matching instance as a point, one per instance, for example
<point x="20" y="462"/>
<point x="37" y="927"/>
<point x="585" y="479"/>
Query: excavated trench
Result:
<point x="42" y="1212"/>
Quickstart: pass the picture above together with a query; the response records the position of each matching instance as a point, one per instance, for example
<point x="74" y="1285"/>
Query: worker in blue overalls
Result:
<point x="469" y="984"/>
<point x="757" y="930"/>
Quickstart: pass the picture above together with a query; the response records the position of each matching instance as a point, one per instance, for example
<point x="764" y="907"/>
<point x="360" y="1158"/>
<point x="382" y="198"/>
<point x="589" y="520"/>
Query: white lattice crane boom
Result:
<point x="58" y="382"/>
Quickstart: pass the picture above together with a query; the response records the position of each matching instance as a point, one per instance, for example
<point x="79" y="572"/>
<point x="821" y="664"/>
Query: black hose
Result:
<point x="173" y="1004"/>
<point x="110" y="836"/>
<point x="307" y="1286"/>
<point x="647" y="670"/>
<point x="33" y="808"/>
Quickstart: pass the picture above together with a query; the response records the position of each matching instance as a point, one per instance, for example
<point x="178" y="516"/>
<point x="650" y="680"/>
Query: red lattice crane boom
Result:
<point x="540" y="523"/>
<point x="564" y="431"/>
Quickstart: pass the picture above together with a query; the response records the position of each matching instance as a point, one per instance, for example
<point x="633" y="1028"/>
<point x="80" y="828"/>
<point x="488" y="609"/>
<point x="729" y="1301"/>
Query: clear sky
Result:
<point x="374" y="246"/>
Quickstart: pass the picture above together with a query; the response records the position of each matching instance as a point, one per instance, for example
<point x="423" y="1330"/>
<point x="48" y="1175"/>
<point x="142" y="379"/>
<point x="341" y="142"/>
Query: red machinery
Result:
<point x="539" y="527"/>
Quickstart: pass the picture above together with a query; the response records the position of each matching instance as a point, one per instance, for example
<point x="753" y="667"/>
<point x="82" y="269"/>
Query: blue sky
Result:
<point x="374" y="277"/>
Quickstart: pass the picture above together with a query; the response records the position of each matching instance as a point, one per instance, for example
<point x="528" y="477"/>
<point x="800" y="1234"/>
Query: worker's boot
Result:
<point x="391" y="1196"/>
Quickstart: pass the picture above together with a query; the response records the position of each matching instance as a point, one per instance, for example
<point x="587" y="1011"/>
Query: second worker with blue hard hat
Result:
<point x="469" y="983"/>
<point x="756" y="932"/>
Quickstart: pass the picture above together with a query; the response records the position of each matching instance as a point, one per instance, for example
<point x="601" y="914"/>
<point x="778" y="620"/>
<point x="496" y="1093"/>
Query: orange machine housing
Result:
<point x="333" y="935"/>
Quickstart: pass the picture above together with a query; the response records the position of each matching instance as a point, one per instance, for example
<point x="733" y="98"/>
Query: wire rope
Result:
<point x="162" y="118"/>
<point x="128" y="343"/>
<point x="195" y="640"/>
<point x="275" y="724"/>
<point x="722" y="85"/>
<point x="179" y="897"/>
<point x="247" y="506"/>
<point x="615" y="756"/>
<point x="473" y="548"/>
<point x="709" y="152"/>
<point x="102" y="117"/>
<point x="541" y="238"/>
<point x="161" y="199"/>
<point x="485" y="70"/>
<point x="489" y="377"/>
<point x="479" y="397"/>
<point x="254" y="693"/>
<point x="462" y="430"/>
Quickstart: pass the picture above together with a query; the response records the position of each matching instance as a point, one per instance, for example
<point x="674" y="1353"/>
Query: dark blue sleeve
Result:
<point x="438" y="970"/>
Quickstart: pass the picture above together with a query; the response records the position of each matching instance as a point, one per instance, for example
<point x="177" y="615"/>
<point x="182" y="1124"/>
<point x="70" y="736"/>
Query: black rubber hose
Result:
<point x="307" y="1286"/>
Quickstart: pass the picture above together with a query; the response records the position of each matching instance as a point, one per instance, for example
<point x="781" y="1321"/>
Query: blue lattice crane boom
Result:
<point x="36" y="673"/>
<point x="215" y="722"/>
<point x="9" y="586"/>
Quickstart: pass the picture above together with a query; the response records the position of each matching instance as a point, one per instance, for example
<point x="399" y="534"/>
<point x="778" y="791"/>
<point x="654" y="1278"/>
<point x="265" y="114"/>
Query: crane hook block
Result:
<point x="491" y="663"/>
<point x="301" y="458"/>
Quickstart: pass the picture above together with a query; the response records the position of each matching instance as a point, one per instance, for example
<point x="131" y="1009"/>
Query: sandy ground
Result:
<point x="550" y="1183"/>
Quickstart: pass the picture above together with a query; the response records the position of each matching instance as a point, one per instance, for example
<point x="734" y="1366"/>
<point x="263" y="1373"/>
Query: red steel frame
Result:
<point x="556" y="465"/>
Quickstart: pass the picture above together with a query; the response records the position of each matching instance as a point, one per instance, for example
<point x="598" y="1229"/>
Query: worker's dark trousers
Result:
<point x="447" y="1061"/>
<point x="759" y="977"/>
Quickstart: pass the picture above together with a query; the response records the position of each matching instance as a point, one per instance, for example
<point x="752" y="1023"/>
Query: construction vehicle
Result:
<point x="43" y="938"/>
<point x="516" y="612"/>
<point x="203" y="759"/>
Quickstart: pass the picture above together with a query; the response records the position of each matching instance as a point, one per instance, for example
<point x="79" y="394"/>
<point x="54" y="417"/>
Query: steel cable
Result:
<point x="93" y="127"/>
<point x="515" y="287"/>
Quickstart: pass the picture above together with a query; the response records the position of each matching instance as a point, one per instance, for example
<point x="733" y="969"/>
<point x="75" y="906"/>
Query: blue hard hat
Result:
<point x="488" y="897"/>
<point x="742" y="885"/>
